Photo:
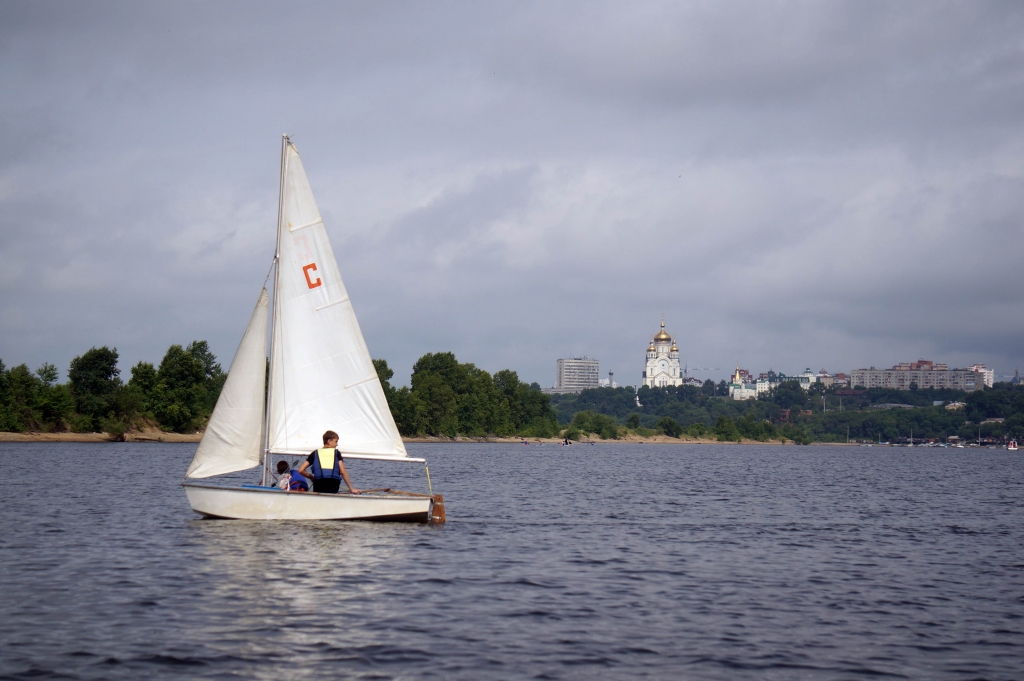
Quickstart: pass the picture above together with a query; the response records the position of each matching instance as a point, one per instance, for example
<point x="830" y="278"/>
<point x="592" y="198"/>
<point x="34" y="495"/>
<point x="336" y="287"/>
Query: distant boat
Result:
<point x="1012" y="446"/>
<point x="321" y="378"/>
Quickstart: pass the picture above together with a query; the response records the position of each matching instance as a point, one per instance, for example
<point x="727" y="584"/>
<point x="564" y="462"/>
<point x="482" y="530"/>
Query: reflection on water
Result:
<point x="297" y="582"/>
<point x="618" y="561"/>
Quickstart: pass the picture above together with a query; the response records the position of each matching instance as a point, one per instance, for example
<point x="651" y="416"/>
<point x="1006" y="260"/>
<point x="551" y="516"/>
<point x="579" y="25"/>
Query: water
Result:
<point x="612" y="561"/>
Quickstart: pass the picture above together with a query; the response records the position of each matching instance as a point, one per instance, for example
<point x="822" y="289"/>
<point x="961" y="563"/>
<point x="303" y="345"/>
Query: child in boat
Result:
<point x="290" y="479"/>
<point x="328" y="467"/>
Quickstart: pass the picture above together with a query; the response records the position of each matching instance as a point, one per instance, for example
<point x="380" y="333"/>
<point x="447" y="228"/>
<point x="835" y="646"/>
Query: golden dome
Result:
<point x="673" y="348"/>
<point x="651" y="348"/>
<point x="661" y="336"/>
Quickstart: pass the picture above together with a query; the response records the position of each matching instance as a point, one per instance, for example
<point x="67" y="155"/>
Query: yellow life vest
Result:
<point x="325" y="464"/>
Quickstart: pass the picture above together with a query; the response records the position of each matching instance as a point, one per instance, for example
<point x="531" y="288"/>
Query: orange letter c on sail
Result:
<point x="309" y="282"/>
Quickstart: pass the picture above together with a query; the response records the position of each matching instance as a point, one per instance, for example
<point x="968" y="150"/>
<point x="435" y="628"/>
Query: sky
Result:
<point x="823" y="185"/>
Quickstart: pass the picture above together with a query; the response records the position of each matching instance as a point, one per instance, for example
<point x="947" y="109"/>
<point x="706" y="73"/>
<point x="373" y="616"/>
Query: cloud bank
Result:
<point x="823" y="185"/>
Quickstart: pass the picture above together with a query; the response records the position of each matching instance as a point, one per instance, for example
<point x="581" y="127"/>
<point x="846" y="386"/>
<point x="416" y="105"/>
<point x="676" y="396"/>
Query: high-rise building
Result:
<point x="573" y="374"/>
<point x="989" y="374"/>
<point x="922" y="373"/>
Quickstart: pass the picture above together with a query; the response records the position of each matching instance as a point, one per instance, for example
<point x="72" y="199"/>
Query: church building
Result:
<point x="662" y="361"/>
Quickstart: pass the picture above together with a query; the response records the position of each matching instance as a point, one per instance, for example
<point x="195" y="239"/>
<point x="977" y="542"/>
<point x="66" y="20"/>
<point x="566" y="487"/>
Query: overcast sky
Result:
<point x="823" y="185"/>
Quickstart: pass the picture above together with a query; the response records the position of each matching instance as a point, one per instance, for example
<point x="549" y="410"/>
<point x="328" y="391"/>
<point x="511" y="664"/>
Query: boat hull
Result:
<point x="267" y="503"/>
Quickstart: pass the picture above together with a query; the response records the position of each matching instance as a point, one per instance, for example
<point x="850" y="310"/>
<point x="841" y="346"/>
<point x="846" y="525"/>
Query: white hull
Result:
<point x="266" y="503"/>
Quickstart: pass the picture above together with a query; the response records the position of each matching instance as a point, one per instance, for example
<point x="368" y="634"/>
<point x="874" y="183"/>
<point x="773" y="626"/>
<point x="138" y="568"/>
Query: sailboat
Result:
<point x="321" y="377"/>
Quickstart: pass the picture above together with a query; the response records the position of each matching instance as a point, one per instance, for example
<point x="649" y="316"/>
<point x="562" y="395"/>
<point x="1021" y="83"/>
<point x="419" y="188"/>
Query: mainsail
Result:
<point x="232" y="438"/>
<point x="322" y="377"/>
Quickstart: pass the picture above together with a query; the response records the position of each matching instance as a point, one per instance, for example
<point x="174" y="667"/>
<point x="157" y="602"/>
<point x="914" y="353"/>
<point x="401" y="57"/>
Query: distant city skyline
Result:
<point x="825" y="185"/>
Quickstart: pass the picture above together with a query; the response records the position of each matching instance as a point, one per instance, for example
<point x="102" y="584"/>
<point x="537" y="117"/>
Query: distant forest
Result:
<point x="819" y="415"/>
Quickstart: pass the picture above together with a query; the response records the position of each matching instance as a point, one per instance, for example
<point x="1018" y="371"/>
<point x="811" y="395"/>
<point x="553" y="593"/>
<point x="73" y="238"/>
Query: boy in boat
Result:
<point x="291" y="480"/>
<point x="328" y="467"/>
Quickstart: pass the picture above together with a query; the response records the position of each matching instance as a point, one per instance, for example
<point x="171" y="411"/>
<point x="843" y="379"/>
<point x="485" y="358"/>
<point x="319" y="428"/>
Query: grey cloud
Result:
<point x="796" y="184"/>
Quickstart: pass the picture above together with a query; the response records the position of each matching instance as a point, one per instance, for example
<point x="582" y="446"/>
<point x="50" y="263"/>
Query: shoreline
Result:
<point x="159" y="436"/>
<point x="629" y="439"/>
<point x="100" y="437"/>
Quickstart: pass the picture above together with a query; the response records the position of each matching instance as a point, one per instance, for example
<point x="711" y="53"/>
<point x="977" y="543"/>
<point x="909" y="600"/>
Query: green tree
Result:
<point x="188" y="383"/>
<point x="528" y="410"/>
<point x="407" y="411"/>
<point x="213" y="376"/>
<point x="633" y="421"/>
<point x="142" y="382"/>
<point x="47" y="374"/>
<point x="94" y="378"/>
<point x="754" y="428"/>
<point x="7" y="422"/>
<point x="54" y="402"/>
<point x="22" y="387"/>
<point x="384" y="372"/>
<point x="788" y="395"/>
<point x="444" y="365"/>
<point x="450" y="398"/>
<point x="726" y="430"/>
<point x="591" y="422"/>
<point x="669" y="426"/>
<point x="440" y="406"/>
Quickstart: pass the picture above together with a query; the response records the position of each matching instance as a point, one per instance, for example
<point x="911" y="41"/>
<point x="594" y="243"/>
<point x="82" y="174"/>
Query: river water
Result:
<point x="583" y="562"/>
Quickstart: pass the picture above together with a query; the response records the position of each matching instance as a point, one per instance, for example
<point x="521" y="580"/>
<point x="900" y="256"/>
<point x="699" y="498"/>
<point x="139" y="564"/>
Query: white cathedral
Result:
<point x="662" y="361"/>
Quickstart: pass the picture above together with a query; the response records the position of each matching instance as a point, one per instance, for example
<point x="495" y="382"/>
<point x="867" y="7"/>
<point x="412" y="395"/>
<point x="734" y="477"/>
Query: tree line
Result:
<point x="790" y="412"/>
<point x="446" y="397"/>
<point x="449" y="398"/>
<point x="178" y="395"/>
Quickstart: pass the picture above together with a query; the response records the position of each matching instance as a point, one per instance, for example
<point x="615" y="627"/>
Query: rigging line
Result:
<point x="269" y="271"/>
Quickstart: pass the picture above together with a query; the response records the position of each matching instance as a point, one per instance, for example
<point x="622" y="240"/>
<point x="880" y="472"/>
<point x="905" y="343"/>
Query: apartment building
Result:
<point x="924" y="373"/>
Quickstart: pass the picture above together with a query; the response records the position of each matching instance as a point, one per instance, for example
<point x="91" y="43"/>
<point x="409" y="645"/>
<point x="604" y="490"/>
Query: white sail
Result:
<point x="232" y="438"/>
<point x="322" y="377"/>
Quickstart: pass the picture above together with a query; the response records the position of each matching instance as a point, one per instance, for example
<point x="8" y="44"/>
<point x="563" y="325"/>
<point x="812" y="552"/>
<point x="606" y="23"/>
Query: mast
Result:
<point x="285" y="141"/>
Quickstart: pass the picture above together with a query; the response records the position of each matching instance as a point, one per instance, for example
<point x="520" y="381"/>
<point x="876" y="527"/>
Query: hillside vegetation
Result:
<point x="817" y="415"/>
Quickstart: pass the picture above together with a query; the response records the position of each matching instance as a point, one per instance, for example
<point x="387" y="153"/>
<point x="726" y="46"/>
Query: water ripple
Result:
<point x="711" y="562"/>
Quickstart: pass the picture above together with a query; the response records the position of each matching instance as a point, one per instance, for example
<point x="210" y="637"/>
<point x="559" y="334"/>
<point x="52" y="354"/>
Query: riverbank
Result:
<point x="148" y="435"/>
<point x="154" y="435"/>
<point x="596" y="440"/>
